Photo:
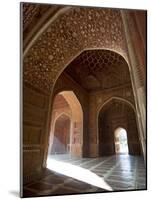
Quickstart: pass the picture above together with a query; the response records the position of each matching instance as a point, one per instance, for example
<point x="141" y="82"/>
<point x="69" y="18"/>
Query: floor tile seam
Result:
<point x="124" y="172"/>
<point x="69" y="160"/>
<point x="120" y="176"/>
<point x="66" y="160"/>
<point x="141" y="183"/>
<point x="142" y="179"/>
<point x="99" y="164"/>
<point x="92" y="189"/>
<point x="31" y="183"/>
<point x="87" y="162"/>
<point x="41" y="191"/>
<point x="38" y="180"/>
<point x="117" y="181"/>
<point x="111" y="170"/>
<point x="135" y="174"/>
<point x="70" y="180"/>
<point x="51" y="184"/>
<point x="33" y="190"/>
<point x="123" y="189"/>
<point x="55" y="187"/>
<point x="67" y="181"/>
<point x="78" y="160"/>
<point x="72" y="188"/>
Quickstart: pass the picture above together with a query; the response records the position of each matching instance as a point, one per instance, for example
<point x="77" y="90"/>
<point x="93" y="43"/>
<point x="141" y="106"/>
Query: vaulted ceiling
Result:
<point x="99" y="69"/>
<point x="34" y="16"/>
<point x="64" y="34"/>
<point x="53" y="35"/>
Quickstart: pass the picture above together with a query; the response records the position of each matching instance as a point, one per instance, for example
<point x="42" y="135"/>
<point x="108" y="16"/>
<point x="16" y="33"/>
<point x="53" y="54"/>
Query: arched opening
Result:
<point x="94" y="75"/>
<point x="117" y="113"/>
<point x="120" y="139"/>
<point x="66" y="132"/>
<point x="61" y="139"/>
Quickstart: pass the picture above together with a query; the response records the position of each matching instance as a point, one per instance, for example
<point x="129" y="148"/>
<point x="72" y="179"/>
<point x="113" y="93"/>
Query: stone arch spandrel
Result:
<point x="66" y="37"/>
<point x="115" y="98"/>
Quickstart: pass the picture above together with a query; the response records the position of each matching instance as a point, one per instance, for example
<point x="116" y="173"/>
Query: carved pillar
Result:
<point x="137" y="72"/>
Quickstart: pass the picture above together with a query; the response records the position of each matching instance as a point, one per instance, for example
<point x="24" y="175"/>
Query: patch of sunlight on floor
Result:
<point x="78" y="173"/>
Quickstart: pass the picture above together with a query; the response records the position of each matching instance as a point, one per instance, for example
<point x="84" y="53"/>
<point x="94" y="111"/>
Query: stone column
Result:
<point x="135" y="67"/>
<point x="93" y="126"/>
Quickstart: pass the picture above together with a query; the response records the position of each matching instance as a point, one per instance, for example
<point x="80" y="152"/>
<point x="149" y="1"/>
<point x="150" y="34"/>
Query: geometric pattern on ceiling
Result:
<point x="29" y="12"/>
<point x="32" y="15"/>
<point x="73" y="31"/>
<point x="99" y="69"/>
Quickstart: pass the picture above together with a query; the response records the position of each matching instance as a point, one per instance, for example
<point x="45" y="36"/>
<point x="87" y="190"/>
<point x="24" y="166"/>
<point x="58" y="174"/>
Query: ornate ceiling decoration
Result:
<point x="34" y="17"/>
<point x="77" y="29"/>
<point x="29" y="12"/>
<point x="99" y="69"/>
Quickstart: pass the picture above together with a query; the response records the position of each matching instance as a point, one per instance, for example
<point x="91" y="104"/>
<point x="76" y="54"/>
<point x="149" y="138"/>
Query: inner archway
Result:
<point x="66" y="134"/>
<point x="121" y="143"/>
<point x="117" y="113"/>
<point x="61" y="140"/>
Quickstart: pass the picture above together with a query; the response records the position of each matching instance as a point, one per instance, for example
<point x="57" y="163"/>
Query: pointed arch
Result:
<point x="116" y="98"/>
<point x="114" y="113"/>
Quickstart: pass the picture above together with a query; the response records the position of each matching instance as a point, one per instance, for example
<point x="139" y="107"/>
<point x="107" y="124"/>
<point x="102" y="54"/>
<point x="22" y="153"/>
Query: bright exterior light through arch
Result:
<point x="121" y="144"/>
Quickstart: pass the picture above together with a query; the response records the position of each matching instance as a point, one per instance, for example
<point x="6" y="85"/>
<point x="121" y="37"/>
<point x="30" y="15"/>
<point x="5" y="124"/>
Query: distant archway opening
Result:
<point x="61" y="140"/>
<point x="120" y="139"/>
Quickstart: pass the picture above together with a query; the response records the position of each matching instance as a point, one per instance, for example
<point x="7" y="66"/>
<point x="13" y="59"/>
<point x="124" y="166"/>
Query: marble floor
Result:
<point x="67" y="175"/>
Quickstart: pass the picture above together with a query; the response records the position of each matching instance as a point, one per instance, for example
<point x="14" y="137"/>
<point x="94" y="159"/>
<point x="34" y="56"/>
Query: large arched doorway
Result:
<point x="116" y="114"/>
<point x="94" y="76"/>
<point x="66" y="132"/>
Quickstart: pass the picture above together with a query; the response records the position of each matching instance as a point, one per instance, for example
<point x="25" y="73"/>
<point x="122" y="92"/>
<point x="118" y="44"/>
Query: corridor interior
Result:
<point x="115" y="161"/>
<point x="84" y="127"/>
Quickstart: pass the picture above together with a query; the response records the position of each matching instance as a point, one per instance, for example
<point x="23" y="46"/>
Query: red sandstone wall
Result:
<point x="35" y="108"/>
